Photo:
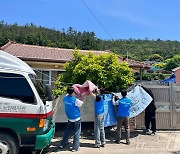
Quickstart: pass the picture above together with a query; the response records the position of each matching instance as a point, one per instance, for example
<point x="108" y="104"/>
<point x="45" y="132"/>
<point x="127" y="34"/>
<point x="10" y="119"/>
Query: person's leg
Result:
<point x="147" y="120"/>
<point x="97" y="131"/>
<point x="116" y="113"/>
<point x="102" y="132"/>
<point x="127" y="130"/>
<point x="153" y="121"/>
<point x="77" y="133"/>
<point x="116" y="110"/>
<point x="118" y="131"/>
<point x="66" y="134"/>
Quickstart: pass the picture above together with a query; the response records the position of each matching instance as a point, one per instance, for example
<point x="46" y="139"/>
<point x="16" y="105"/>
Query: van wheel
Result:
<point x="8" y="144"/>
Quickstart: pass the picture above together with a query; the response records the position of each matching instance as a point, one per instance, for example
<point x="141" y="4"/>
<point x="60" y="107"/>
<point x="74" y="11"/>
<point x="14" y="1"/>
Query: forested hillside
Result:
<point x="70" y="38"/>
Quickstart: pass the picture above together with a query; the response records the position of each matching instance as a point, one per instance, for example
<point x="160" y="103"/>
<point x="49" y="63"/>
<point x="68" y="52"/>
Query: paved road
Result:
<point x="165" y="142"/>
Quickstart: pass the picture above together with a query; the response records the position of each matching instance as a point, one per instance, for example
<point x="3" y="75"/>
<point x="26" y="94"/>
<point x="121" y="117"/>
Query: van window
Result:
<point x="38" y="85"/>
<point x="44" y="76"/>
<point x="16" y="86"/>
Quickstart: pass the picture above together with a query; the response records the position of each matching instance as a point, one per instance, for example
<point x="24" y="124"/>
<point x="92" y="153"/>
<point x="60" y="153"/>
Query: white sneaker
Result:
<point x="148" y="132"/>
<point x="74" y="150"/>
<point x="96" y="146"/>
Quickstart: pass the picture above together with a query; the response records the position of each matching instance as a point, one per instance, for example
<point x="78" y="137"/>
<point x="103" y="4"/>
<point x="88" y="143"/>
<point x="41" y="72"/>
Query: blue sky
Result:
<point x="122" y="19"/>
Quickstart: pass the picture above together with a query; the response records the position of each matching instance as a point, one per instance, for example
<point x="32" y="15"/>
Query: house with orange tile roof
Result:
<point x="48" y="62"/>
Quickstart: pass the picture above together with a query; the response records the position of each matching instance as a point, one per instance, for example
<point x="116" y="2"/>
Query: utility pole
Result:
<point x="127" y="54"/>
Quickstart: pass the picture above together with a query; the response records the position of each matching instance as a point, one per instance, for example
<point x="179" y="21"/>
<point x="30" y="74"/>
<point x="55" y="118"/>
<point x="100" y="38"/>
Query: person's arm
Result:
<point x="78" y="102"/>
<point x="115" y="100"/>
<point x="148" y="91"/>
<point x="94" y="95"/>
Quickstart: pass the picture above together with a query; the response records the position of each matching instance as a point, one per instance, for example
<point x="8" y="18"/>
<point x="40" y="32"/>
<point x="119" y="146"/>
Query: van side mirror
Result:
<point x="48" y="92"/>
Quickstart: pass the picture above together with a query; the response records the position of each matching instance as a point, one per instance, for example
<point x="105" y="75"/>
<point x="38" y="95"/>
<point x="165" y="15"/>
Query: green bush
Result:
<point x="103" y="70"/>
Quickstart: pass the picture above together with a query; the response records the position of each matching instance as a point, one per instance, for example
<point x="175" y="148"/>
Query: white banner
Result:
<point x="140" y="100"/>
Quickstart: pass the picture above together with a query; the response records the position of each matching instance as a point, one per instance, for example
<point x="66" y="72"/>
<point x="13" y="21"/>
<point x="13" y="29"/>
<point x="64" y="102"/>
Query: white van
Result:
<point x="25" y="107"/>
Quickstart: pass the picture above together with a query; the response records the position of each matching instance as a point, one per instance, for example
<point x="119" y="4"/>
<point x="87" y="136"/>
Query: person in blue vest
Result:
<point x="99" y="132"/>
<point x="123" y="116"/>
<point x="71" y="105"/>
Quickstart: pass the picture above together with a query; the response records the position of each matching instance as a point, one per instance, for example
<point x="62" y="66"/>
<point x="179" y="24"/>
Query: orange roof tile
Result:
<point x="41" y="53"/>
<point x="51" y="54"/>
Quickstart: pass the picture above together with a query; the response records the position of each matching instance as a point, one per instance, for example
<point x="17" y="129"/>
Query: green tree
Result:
<point x="156" y="57"/>
<point x="138" y="49"/>
<point x="173" y="63"/>
<point x="103" y="70"/>
<point x="160" y="65"/>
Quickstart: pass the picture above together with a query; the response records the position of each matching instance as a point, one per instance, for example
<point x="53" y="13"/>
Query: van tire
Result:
<point x="9" y="141"/>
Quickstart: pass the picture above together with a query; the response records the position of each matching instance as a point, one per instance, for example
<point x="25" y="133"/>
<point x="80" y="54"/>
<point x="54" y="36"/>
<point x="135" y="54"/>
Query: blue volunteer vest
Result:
<point x="72" y="111"/>
<point x="99" y="106"/>
<point x="124" y="107"/>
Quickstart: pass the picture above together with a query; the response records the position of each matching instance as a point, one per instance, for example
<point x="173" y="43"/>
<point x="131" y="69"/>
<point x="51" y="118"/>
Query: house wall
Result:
<point x="177" y="73"/>
<point x="45" y="65"/>
<point x="52" y="70"/>
<point x="87" y="111"/>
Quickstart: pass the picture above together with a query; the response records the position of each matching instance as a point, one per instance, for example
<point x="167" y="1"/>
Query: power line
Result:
<point x="97" y="20"/>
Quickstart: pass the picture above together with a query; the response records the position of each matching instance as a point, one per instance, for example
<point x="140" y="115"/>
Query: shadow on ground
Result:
<point x="87" y="135"/>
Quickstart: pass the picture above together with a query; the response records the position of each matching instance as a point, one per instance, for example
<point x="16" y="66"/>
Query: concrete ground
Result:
<point x="164" y="142"/>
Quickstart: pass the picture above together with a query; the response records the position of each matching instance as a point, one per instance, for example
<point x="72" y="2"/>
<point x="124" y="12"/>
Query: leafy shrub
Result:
<point x="103" y="70"/>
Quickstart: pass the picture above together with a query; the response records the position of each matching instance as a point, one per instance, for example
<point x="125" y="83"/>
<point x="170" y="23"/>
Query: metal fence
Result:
<point x="167" y="100"/>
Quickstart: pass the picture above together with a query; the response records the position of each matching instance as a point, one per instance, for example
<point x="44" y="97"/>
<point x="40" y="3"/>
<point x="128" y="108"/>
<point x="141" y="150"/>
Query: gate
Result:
<point x="167" y="100"/>
<point x="176" y="107"/>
